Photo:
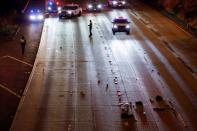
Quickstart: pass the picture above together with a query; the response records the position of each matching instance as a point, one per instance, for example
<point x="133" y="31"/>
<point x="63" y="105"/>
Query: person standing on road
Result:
<point x="23" y="43"/>
<point x="90" y="28"/>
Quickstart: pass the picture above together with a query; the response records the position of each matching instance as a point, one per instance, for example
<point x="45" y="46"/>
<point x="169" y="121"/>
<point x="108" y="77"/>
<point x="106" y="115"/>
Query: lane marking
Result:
<point x="20" y="61"/>
<point x="182" y="61"/>
<point x="155" y="32"/>
<point x="3" y="57"/>
<point x="168" y="46"/>
<point x="10" y="91"/>
<point x="144" y="21"/>
<point x="17" y="31"/>
<point x="150" y="27"/>
<point x="179" y="26"/>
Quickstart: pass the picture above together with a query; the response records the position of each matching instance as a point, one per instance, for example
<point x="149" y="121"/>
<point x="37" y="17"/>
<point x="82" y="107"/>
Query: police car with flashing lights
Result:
<point x="52" y="7"/>
<point x="117" y="3"/>
<point x="36" y="15"/>
<point x="94" y="6"/>
<point x="121" y="24"/>
<point x="70" y="10"/>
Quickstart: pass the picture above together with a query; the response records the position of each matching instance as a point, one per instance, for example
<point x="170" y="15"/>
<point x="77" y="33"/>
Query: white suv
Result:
<point x="70" y="10"/>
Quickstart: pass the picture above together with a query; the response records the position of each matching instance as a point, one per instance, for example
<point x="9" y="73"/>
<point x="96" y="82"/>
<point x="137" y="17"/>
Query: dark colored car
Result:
<point x="117" y="3"/>
<point x="36" y="15"/>
<point x="94" y="6"/>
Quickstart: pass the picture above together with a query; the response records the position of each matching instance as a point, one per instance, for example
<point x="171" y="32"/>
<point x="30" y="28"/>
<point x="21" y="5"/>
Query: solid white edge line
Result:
<point x="29" y="80"/>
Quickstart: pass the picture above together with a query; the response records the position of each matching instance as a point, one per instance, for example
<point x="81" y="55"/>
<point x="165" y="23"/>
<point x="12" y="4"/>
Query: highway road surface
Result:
<point x="78" y="83"/>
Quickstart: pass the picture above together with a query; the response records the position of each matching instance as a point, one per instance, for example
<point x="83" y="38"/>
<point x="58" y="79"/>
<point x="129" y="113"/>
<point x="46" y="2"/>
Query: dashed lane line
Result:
<point x="168" y="46"/>
<point x="10" y="91"/>
<point x="150" y="27"/>
<point x="155" y="32"/>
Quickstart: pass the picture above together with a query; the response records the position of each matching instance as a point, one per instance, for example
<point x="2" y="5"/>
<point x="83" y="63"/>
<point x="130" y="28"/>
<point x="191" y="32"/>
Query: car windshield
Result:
<point x="69" y="7"/>
<point x="35" y="11"/>
<point x="120" y="21"/>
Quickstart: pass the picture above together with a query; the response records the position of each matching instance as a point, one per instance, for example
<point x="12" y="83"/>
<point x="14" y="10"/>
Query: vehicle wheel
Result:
<point x="128" y="33"/>
<point x="79" y="13"/>
<point x="60" y="17"/>
<point x="114" y="32"/>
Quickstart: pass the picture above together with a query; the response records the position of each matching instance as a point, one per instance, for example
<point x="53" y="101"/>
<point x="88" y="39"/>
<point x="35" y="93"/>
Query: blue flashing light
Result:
<point x="50" y="3"/>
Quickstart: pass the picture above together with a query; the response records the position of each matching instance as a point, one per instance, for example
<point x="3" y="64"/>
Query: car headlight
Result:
<point x="69" y="12"/>
<point x="127" y="26"/>
<point x="32" y="17"/>
<point x="123" y="2"/>
<point x="90" y="6"/>
<point x="59" y="8"/>
<point x="115" y="2"/>
<point x="49" y="8"/>
<point x="99" y="6"/>
<point x="40" y="17"/>
<point x="115" y="26"/>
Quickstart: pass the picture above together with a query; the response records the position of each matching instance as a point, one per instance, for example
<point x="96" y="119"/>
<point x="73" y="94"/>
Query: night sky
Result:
<point x="8" y="5"/>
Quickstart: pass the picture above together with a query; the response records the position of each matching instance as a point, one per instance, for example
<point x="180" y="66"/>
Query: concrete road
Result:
<point x="15" y="68"/>
<point x="78" y="83"/>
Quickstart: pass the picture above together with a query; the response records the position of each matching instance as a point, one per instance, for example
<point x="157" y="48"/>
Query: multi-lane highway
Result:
<point x="78" y="83"/>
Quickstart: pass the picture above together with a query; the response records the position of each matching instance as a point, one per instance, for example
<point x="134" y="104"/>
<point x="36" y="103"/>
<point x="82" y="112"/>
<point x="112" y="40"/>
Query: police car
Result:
<point x="117" y="3"/>
<point x="94" y="6"/>
<point x="36" y="15"/>
<point x="121" y="24"/>
<point x="70" y="10"/>
<point x="53" y="7"/>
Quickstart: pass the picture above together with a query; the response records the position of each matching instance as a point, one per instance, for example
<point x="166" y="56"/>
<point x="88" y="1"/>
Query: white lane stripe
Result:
<point x="20" y="61"/>
<point x="3" y="57"/>
<point x="10" y="91"/>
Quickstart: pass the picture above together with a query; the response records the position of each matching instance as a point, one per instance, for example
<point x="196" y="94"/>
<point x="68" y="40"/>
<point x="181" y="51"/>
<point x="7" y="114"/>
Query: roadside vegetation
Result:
<point x="185" y="11"/>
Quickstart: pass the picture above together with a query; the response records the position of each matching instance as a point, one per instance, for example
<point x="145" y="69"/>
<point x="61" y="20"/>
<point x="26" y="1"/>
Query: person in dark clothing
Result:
<point x="23" y="43"/>
<point x="90" y="28"/>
